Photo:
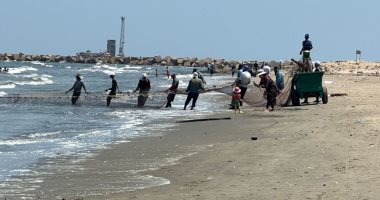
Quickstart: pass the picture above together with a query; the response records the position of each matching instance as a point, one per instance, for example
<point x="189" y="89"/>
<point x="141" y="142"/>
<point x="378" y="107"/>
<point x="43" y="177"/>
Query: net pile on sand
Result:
<point x="254" y="96"/>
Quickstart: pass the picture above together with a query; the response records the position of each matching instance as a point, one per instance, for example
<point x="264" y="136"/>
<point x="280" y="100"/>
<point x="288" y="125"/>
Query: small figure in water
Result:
<point x="144" y="88"/>
<point x="113" y="89"/>
<point x="212" y="68"/>
<point x="167" y="72"/>
<point x="172" y="91"/>
<point x="77" y="87"/>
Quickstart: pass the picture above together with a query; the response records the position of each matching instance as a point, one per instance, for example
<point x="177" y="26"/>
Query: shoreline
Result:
<point x="324" y="151"/>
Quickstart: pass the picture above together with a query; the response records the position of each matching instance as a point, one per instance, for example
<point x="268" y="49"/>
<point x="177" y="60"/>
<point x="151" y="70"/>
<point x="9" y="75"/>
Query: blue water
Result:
<point x="30" y="132"/>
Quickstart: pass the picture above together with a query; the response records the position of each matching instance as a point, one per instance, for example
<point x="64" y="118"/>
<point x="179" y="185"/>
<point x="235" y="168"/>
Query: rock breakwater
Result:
<point x="220" y="64"/>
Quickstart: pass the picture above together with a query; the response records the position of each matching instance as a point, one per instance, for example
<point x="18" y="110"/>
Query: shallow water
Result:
<point x="31" y="130"/>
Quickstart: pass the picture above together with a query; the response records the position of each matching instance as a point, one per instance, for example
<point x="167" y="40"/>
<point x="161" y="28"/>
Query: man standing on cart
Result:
<point x="307" y="46"/>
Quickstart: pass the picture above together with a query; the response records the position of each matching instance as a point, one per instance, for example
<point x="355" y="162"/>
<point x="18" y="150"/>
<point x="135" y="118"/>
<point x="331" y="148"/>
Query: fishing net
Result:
<point x="126" y="100"/>
<point x="254" y="95"/>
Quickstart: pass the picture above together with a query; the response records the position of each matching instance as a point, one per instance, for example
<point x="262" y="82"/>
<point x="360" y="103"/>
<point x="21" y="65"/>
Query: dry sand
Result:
<point x="325" y="151"/>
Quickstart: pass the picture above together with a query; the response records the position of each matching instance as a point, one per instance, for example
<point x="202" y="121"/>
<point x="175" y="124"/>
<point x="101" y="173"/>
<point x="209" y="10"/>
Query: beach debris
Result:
<point x="338" y="94"/>
<point x="329" y="82"/>
<point x="253" y="138"/>
<point x="205" y="119"/>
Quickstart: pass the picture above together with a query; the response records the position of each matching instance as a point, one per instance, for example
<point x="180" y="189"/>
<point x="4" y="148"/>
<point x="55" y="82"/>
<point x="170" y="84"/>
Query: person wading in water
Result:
<point x="195" y="84"/>
<point x="144" y="88"/>
<point x="113" y="89"/>
<point x="172" y="91"/>
<point x="77" y="87"/>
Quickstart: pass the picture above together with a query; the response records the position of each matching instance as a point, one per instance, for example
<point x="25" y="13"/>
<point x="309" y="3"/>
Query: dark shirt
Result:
<point x="195" y="84"/>
<point x="77" y="87"/>
<point x="256" y="66"/>
<point x="174" y="86"/>
<point x="114" y="87"/>
<point x="269" y="85"/>
<point x="307" y="45"/>
<point x="144" y="85"/>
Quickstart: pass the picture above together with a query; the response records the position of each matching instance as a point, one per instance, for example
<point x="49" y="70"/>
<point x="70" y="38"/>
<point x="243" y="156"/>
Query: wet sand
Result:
<point x="324" y="151"/>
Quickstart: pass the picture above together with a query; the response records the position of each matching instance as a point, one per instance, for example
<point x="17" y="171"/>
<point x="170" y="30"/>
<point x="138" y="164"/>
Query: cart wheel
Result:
<point x="325" y="96"/>
<point x="295" y="99"/>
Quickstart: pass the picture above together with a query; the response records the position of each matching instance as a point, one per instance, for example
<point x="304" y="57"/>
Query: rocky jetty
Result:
<point x="220" y="64"/>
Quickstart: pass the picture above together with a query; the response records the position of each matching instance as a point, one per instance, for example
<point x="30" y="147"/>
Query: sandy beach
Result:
<point x="324" y="151"/>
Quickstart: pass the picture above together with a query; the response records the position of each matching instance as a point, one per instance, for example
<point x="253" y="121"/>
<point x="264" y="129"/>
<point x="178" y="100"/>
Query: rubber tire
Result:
<point x="295" y="98"/>
<point x="325" y="97"/>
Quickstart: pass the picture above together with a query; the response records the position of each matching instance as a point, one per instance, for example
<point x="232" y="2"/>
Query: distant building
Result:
<point x="111" y="47"/>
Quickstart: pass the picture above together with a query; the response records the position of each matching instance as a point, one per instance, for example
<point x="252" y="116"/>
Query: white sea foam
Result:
<point x="36" y="79"/>
<point x="108" y="69"/>
<point x="42" y="135"/>
<point x="19" y="70"/>
<point x="38" y="63"/>
<point x="3" y="94"/>
<point x="17" y="142"/>
<point x="8" y="86"/>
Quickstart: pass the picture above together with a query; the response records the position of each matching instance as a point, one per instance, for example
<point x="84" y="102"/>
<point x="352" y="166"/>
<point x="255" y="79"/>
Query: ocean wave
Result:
<point x="15" y="142"/>
<point x="3" y="94"/>
<point x="107" y="69"/>
<point x="19" y="70"/>
<point x="41" y="63"/>
<point x="36" y="79"/>
<point x="7" y="86"/>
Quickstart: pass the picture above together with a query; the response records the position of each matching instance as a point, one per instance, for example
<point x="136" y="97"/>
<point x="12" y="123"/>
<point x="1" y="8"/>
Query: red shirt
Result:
<point x="236" y="96"/>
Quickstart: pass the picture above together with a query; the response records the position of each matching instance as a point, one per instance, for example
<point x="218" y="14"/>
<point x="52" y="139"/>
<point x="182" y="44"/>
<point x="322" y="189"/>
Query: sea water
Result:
<point x="31" y="132"/>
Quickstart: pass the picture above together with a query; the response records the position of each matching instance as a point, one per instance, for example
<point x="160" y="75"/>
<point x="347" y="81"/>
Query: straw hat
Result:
<point x="260" y="72"/>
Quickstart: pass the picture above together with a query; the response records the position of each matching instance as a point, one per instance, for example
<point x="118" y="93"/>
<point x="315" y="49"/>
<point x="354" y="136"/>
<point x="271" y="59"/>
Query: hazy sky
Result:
<point x="230" y="29"/>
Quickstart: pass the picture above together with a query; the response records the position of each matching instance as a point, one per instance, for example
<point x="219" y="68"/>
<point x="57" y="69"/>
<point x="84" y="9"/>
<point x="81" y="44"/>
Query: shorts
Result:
<point x="236" y="102"/>
<point x="306" y="54"/>
<point x="76" y="94"/>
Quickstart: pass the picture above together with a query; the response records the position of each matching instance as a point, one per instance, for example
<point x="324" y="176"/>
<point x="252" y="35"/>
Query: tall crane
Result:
<point x="121" y="47"/>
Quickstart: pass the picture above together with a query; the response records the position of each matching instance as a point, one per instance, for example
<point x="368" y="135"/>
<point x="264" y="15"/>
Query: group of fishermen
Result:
<point x="196" y="84"/>
<point x="143" y="87"/>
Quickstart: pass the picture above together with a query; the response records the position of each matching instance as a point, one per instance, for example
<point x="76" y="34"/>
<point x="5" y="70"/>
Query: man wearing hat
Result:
<point x="144" y="87"/>
<point x="200" y="76"/>
<point x="113" y="89"/>
<point x="172" y="91"/>
<point x="195" y="84"/>
<point x="77" y="87"/>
